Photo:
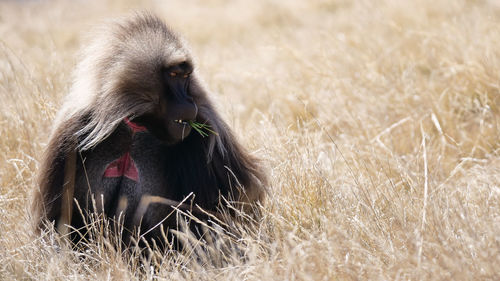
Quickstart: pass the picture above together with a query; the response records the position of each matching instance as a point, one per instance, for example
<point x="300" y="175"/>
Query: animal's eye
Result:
<point x="182" y="70"/>
<point x="174" y="74"/>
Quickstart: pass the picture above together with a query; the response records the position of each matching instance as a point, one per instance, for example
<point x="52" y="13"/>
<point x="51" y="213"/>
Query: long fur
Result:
<point x="99" y="87"/>
<point x="114" y="80"/>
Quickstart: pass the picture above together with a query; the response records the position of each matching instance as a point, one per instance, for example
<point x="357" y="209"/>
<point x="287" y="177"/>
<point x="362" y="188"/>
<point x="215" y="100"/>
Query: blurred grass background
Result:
<point x="378" y="122"/>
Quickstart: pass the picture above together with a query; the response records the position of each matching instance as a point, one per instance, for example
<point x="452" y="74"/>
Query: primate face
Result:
<point x="169" y="119"/>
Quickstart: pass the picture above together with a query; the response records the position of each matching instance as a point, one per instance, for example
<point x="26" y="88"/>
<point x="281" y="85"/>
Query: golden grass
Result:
<point x="378" y="122"/>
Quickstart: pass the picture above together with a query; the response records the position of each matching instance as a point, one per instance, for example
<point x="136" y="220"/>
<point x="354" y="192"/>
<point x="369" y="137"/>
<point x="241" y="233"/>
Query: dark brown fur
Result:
<point x="119" y="77"/>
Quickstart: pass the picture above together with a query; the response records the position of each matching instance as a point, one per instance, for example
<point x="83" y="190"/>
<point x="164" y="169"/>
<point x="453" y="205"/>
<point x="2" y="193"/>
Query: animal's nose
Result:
<point x="186" y="111"/>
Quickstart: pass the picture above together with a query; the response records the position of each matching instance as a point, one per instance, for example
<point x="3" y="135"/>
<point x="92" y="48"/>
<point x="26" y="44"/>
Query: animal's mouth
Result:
<point x="181" y="122"/>
<point x="179" y="129"/>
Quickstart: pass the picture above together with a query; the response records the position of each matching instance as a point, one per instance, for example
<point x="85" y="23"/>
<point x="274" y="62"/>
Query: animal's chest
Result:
<point x="127" y="164"/>
<point x="123" y="167"/>
<point x="132" y="164"/>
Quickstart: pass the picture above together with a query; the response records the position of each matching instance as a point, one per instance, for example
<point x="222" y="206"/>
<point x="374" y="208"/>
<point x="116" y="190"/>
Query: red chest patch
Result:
<point x="135" y="127"/>
<point x="125" y="166"/>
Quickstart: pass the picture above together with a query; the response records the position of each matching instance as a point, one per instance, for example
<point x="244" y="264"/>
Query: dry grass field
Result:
<point x="378" y="123"/>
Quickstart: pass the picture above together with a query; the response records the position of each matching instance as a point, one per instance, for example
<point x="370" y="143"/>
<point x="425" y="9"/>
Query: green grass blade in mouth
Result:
<point x="203" y="129"/>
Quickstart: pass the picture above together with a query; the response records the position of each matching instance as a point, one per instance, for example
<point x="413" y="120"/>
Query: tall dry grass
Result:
<point x="378" y="122"/>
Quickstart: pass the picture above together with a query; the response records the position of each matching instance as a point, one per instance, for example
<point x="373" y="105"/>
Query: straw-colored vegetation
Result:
<point x="378" y="122"/>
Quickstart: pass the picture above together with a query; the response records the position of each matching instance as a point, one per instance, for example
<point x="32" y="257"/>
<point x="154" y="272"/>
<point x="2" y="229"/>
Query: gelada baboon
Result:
<point x="123" y="142"/>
